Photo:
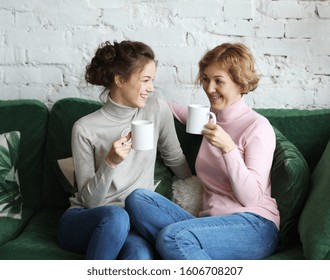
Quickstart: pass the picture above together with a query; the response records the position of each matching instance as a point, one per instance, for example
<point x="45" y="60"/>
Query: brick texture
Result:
<point x="45" y="45"/>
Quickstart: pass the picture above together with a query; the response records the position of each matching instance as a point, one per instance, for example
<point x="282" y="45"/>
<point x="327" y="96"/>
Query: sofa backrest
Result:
<point x="64" y="114"/>
<point x="30" y="118"/>
<point x="308" y="130"/>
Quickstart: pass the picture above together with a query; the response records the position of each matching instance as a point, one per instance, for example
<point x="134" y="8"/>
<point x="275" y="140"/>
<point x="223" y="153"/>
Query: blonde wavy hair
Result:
<point x="237" y="60"/>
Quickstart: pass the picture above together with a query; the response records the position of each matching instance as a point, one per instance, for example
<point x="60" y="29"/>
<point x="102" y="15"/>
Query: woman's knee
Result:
<point x="173" y="241"/>
<point x="111" y="214"/>
<point x="136" y="248"/>
<point x="113" y="221"/>
<point x="136" y="196"/>
<point x="166" y="241"/>
<point x="78" y="225"/>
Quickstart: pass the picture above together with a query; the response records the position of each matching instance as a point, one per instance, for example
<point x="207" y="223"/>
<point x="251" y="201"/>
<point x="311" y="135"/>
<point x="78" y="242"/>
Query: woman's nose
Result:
<point x="210" y="87"/>
<point x="150" y="87"/>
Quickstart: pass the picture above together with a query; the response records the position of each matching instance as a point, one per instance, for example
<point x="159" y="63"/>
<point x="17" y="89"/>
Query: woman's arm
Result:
<point x="169" y="145"/>
<point x="248" y="169"/>
<point x="250" y="175"/>
<point x="92" y="184"/>
<point x="179" y="112"/>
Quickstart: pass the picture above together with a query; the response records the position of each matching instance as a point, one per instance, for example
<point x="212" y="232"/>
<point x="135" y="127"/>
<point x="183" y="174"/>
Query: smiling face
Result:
<point x="226" y="72"/>
<point x="135" y="91"/>
<point x="220" y="89"/>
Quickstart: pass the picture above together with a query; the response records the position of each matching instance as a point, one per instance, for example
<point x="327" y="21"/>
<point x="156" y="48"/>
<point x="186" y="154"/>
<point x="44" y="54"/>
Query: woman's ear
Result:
<point x="119" y="80"/>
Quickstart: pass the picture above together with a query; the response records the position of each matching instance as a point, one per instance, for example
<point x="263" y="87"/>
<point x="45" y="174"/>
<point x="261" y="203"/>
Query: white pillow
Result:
<point x="67" y="168"/>
<point x="188" y="194"/>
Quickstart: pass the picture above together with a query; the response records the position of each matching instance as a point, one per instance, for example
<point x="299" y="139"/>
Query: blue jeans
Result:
<point x="179" y="235"/>
<point x="101" y="233"/>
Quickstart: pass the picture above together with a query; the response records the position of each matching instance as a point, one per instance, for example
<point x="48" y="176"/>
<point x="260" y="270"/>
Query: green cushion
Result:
<point x="190" y="144"/>
<point x="295" y="253"/>
<point x="64" y="114"/>
<point x="314" y="223"/>
<point x="308" y="130"/>
<point x="38" y="240"/>
<point x="11" y="228"/>
<point x="290" y="184"/>
<point x="163" y="176"/>
<point x="30" y="118"/>
<point x="10" y="195"/>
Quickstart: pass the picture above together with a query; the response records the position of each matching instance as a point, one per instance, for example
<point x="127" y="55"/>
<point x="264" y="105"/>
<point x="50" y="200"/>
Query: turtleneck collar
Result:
<point x="233" y="111"/>
<point x="114" y="110"/>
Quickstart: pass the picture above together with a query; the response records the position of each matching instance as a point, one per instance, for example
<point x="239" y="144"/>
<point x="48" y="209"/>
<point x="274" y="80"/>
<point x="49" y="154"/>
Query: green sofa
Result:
<point x="45" y="138"/>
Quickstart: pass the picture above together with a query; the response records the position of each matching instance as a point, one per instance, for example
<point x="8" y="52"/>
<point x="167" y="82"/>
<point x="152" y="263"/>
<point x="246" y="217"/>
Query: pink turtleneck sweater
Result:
<point x="238" y="181"/>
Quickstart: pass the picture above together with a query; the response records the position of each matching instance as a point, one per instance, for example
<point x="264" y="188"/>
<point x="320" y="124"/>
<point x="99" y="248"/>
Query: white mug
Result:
<point x="198" y="116"/>
<point x="142" y="135"/>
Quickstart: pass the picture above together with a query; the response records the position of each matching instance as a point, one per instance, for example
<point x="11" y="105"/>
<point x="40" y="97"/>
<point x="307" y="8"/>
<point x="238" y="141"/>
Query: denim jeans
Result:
<point x="101" y="233"/>
<point x="179" y="235"/>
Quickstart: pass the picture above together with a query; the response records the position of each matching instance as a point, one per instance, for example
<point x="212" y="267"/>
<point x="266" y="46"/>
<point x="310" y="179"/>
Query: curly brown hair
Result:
<point x="123" y="59"/>
<point x="237" y="60"/>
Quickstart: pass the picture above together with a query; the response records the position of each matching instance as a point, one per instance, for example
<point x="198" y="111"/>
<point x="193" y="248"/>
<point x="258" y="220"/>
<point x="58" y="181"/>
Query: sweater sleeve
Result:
<point x="179" y="112"/>
<point x="92" y="184"/>
<point x="169" y="145"/>
<point x="250" y="175"/>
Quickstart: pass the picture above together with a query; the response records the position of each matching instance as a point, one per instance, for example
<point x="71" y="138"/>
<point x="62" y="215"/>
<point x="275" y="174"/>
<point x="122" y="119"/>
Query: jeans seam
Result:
<point x="169" y="211"/>
<point x="181" y="232"/>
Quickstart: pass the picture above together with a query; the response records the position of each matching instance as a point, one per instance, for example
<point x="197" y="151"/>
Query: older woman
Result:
<point x="239" y="219"/>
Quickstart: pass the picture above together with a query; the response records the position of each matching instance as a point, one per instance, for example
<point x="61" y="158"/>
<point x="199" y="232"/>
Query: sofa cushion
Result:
<point x="10" y="195"/>
<point x="290" y="184"/>
<point x="163" y="178"/>
<point x="314" y="223"/>
<point x="38" y="240"/>
<point x="308" y="130"/>
<point x="11" y="228"/>
<point x="64" y="114"/>
<point x="190" y="144"/>
<point x="294" y="253"/>
<point x="30" y="118"/>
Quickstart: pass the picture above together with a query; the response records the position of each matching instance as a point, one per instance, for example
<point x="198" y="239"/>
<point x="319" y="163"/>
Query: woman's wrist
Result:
<point x="110" y="163"/>
<point x="228" y="149"/>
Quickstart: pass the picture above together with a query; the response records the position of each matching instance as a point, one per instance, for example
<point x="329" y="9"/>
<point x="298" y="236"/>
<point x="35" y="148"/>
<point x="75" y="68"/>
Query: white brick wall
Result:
<point x="45" y="45"/>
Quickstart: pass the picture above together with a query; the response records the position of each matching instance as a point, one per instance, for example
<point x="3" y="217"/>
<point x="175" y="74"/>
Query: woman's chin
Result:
<point x="217" y="105"/>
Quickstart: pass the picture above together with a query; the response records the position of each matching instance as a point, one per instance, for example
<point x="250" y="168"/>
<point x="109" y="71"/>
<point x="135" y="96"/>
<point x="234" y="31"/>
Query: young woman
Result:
<point x="107" y="168"/>
<point x="239" y="219"/>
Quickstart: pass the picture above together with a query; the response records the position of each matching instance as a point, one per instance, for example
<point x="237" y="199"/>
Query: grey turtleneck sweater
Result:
<point x="92" y="137"/>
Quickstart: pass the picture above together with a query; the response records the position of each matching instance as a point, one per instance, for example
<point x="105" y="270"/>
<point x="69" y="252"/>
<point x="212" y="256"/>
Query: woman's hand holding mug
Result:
<point x="119" y="151"/>
<point x="198" y="116"/>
